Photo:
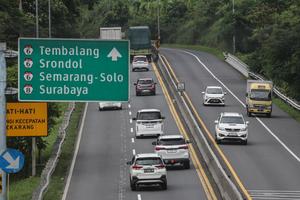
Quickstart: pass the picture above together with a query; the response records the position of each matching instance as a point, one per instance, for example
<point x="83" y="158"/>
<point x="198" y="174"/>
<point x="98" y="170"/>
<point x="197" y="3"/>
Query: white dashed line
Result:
<point x="263" y="124"/>
<point x="139" y="197"/>
<point x="133" y="152"/>
<point x="131" y="130"/>
<point x="130" y="121"/>
<point x="130" y="113"/>
<point x="129" y="106"/>
<point x="132" y="140"/>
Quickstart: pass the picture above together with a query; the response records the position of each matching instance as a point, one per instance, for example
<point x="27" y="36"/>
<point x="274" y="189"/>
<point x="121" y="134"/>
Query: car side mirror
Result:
<point x="128" y="163"/>
<point x="154" y="143"/>
<point x="163" y="117"/>
<point x="203" y="92"/>
<point x="216" y="121"/>
<point x="247" y="122"/>
<point x="188" y="142"/>
<point x="134" y="118"/>
<point x="247" y="94"/>
<point x="155" y="83"/>
<point x="225" y="93"/>
<point x="135" y="84"/>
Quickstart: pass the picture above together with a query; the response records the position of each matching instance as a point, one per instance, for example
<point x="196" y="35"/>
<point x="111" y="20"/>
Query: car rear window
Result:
<point x="148" y="161"/>
<point x="148" y="115"/>
<point x="173" y="141"/>
<point x="214" y="91"/>
<point x="145" y="81"/>
<point x="232" y="120"/>
<point x="142" y="59"/>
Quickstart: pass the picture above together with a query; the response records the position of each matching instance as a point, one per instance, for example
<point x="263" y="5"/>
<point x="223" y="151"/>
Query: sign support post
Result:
<point x="2" y="115"/>
<point x="33" y="155"/>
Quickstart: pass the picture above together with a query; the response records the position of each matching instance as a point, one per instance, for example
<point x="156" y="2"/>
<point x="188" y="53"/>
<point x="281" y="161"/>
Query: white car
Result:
<point x="147" y="169"/>
<point x="109" y="105"/>
<point x="214" y="95"/>
<point x="149" y="122"/>
<point x="173" y="149"/>
<point x="231" y="126"/>
<point x="140" y="63"/>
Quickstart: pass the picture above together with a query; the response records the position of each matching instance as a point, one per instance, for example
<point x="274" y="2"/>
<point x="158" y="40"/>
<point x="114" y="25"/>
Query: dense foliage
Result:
<point x="266" y="31"/>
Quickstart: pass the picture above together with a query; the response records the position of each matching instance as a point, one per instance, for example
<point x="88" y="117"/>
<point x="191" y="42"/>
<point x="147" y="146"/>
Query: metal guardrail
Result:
<point x="244" y="69"/>
<point x="53" y="160"/>
<point x="227" y="188"/>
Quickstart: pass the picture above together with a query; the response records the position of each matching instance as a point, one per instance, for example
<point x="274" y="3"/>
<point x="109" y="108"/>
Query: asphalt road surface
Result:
<point x="108" y="141"/>
<point x="269" y="166"/>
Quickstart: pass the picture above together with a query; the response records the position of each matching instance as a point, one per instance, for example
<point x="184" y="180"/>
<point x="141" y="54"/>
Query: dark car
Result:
<point x="145" y="86"/>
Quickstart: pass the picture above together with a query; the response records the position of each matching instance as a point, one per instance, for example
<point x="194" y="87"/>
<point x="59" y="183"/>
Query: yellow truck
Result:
<point x="259" y="97"/>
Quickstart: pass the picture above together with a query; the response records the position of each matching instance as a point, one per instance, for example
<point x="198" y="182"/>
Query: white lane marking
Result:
<point x="129" y="106"/>
<point x="133" y="152"/>
<point x="130" y="113"/>
<point x="275" y="194"/>
<point x="75" y="153"/>
<point x="139" y="197"/>
<point x="132" y="140"/>
<point x="263" y="124"/>
<point x="130" y="121"/>
<point x="131" y="130"/>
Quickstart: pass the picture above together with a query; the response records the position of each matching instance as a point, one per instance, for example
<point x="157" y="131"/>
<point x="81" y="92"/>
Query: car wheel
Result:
<point x="164" y="186"/>
<point x="100" y="109"/>
<point x="244" y="142"/>
<point x="187" y="165"/>
<point x="268" y="115"/>
<point x="217" y="140"/>
<point x="137" y="94"/>
<point x="249" y="114"/>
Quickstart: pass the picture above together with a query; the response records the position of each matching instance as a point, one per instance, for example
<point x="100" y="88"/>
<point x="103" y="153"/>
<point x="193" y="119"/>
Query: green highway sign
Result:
<point x="73" y="70"/>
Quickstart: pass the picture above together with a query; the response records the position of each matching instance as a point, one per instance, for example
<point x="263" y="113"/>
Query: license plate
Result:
<point x="232" y="134"/>
<point x="148" y="170"/>
<point x="171" y="151"/>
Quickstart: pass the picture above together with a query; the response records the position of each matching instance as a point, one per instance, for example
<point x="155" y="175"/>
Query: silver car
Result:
<point x="108" y="105"/>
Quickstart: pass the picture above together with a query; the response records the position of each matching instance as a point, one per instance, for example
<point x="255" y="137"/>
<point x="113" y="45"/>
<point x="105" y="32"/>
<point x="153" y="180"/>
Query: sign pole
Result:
<point x="33" y="155"/>
<point x="2" y="117"/>
<point x="8" y="186"/>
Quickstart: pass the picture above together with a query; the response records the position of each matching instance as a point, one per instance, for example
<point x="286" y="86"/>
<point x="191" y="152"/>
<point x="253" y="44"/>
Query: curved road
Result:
<point x="269" y="166"/>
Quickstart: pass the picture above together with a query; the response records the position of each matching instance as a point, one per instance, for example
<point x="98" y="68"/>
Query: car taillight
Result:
<point x="184" y="147"/>
<point x="136" y="167"/>
<point x="159" y="148"/>
<point x="160" y="166"/>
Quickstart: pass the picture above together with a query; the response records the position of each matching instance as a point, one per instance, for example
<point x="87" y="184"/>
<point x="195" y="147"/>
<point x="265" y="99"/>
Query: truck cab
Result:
<point x="259" y="97"/>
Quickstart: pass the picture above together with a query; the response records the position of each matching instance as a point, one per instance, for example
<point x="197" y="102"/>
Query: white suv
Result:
<point x="231" y="126"/>
<point x="173" y="149"/>
<point x="147" y="169"/>
<point x="149" y="122"/>
<point x="140" y="63"/>
<point x="214" y="95"/>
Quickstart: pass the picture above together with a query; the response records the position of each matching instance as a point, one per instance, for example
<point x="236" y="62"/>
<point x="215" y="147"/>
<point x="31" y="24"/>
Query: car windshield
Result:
<point x="173" y="141"/>
<point x="214" y="91"/>
<point x="140" y="59"/>
<point x="260" y="95"/>
<point x="148" y="115"/>
<point x="148" y="81"/>
<point x="148" y="161"/>
<point x="232" y="120"/>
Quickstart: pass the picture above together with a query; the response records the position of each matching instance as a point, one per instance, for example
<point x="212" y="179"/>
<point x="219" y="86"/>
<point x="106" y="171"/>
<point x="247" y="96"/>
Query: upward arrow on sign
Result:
<point x="114" y="54"/>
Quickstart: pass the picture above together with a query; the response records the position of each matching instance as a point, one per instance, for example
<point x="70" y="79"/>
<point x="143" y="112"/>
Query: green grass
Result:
<point x="22" y="190"/>
<point x="56" y="187"/>
<point x="210" y="50"/>
<point x="288" y="109"/>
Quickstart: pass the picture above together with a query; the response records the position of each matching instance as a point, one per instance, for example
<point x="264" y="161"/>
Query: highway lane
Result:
<point x="264" y="164"/>
<point x="108" y="141"/>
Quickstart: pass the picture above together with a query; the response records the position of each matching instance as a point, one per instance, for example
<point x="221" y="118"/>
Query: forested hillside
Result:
<point x="267" y="31"/>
